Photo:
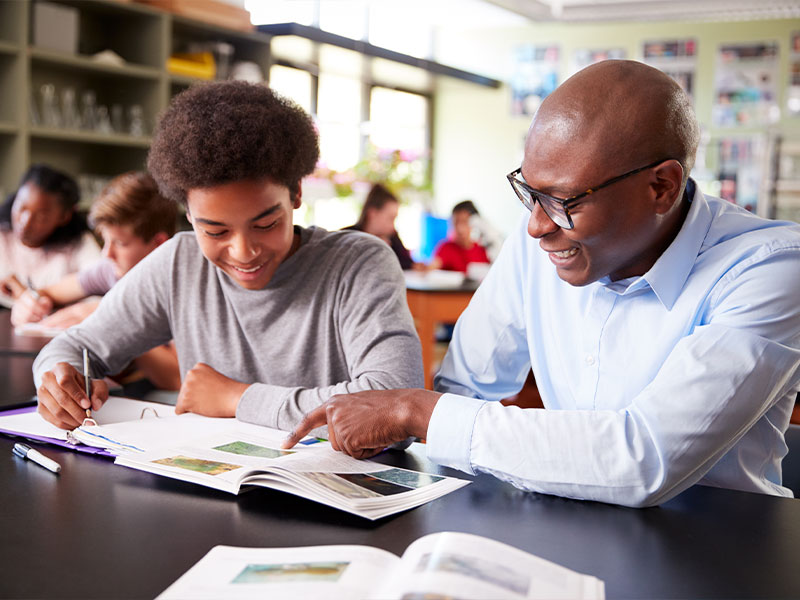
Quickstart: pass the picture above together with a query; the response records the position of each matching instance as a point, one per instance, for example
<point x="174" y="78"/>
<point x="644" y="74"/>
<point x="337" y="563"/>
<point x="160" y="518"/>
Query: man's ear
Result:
<point x="189" y="217"/>
<point x="667" y="185"/>
<point x="298" y="197"/>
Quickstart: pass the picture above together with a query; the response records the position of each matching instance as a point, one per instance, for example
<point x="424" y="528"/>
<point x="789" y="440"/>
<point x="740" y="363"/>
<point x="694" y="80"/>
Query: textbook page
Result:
<point x="240" y="455"/>
<point x="466" y="566"/>
<point x="315" y="572"/>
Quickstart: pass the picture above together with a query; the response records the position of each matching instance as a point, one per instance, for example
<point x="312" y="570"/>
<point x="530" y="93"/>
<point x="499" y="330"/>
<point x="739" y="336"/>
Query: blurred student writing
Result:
<point x="133" y="219"/>
<point x="42" y="236"/>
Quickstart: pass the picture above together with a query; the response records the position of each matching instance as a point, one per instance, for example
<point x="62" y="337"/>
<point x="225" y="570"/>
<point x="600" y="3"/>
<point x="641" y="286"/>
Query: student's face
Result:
<point x="245" y="228"/>
<point x="124" y="248"/>
<point x="381" y="220"/>
<point x="614" y="228"/>
<point x="36" y="214"/>
<point x="461" y="229"/>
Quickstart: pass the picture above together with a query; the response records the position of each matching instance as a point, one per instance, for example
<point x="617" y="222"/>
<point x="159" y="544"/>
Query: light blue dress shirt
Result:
<point x="687" y="374"/>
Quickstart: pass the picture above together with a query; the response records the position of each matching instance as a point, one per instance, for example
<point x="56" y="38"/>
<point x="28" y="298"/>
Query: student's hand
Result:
<point x="208" y="392"/>
<point x="11" y="286"/>
<point x="364" y="423"/>
<point x="62" y="396"/>
<point x="71" y="315"/>
<point x="30" y="308"/>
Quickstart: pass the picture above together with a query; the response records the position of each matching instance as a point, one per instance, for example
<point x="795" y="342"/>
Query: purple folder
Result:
<point x="49" y="440"/>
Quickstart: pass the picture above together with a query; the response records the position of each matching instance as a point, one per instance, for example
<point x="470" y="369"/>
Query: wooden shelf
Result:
<point x="88" y="64"/>
<point x="144" y="36"/>
<point x="185" y="79"/>
<point x="90" y="137"/>
<point x="8" y="48"/>
<point x="788" y="186"/>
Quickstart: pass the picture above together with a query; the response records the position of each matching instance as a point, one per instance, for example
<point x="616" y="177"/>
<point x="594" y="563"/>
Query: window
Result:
<point x="292" y="83"/>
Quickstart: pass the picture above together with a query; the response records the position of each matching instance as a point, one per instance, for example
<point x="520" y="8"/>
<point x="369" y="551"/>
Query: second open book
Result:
<point x="439" y="566"/>
<point x="232" y="456"/>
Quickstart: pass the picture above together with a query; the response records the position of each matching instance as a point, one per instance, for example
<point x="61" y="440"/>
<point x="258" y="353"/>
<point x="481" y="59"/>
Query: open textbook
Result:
<point x="232" y="456"/>
<point x="435" y="567"/>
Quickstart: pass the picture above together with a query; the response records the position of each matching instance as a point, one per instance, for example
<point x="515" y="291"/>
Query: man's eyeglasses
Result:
<point x="558" y="209"/>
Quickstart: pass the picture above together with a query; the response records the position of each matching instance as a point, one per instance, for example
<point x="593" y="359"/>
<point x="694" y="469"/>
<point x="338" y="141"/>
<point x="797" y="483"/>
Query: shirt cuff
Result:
<point x="449" y="438"/>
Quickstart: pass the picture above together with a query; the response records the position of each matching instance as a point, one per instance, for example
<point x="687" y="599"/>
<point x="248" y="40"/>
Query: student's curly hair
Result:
<point x="228" y="131"/>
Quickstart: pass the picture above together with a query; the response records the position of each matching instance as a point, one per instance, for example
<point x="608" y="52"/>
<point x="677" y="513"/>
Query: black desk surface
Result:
<point x="104" y="531"/>
<point x="18" y="345"/>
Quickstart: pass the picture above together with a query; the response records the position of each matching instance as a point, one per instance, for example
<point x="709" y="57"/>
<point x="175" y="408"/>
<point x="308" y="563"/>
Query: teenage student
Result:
<point x="133" y="219"/>
<point x="377" y="218"/>
<point x="42" y="236"/>
<point x="269" y="319"/>
<point x="662" y="324"/>
<point x="458" y="252"/>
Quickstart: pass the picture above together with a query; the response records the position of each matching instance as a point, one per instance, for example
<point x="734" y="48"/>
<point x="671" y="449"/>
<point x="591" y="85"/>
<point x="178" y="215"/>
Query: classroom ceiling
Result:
<point x="652" y="10"/>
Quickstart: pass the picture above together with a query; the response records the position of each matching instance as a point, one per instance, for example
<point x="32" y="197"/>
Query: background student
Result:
<point x="377" y="218"/>
<point x="133" y="219"/>
<point x="269" y="319"/>
<point x="457" y="252"/>
<point x="42" y="235"/>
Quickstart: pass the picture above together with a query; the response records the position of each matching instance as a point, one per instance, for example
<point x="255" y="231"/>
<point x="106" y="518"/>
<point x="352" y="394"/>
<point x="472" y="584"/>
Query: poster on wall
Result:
<point x="745" y="85"/>
<point x="583" y="57"/>
<point x="793" y="90"/>
<point x="676" y="58"/>
<point x="535" y="76"/>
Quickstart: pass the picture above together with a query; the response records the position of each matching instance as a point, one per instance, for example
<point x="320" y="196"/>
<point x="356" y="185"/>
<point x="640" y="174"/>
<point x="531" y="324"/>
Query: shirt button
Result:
<point x="589" y="359"/>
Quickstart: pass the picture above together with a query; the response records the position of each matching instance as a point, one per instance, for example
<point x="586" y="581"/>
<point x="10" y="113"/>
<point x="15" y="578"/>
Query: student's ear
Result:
<point x="159" y="238"/>
<point x="189" y="217"/>
<point x="66" y="217"/>
<point x="667" y="185"/>
<point x="298" y="197"/>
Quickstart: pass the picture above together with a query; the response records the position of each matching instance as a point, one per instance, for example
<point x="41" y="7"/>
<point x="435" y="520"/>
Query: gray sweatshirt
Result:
<point x="332" y="320"/>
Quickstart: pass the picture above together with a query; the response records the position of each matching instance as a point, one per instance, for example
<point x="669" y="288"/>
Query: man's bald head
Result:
<point x="618" y="114"/>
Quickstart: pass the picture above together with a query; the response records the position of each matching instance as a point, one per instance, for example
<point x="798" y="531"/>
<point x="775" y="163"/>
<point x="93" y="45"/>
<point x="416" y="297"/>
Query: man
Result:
<point x="662" y="326"/>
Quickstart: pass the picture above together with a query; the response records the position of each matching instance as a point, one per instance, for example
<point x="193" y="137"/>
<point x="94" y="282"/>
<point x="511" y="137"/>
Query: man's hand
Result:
<point x="62" y="396"/>
<point x="208" y="392"/>
<point x="71" y="315"/>
<point x="364" y="423"/>
<point x="30" y="307"/>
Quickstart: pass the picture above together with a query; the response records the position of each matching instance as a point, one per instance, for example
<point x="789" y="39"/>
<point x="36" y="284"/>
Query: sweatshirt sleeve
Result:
<point x="376" y="335"/>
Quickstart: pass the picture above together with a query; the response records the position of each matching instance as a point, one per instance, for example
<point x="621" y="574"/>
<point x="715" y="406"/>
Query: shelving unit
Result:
<point x="784" y="196"/>
<point x="142" y="36"/>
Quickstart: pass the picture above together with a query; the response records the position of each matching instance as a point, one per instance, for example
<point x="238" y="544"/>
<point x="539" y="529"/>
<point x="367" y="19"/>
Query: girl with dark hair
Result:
<point x="42" y="236"/>
<point x="377" y="218"/>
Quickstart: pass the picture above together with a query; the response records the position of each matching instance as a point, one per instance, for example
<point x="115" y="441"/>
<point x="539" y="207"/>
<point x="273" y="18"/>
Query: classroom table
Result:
<point x="431" y="305"/>
<point x="17" y="345"/>
<point x="98" y="530"/>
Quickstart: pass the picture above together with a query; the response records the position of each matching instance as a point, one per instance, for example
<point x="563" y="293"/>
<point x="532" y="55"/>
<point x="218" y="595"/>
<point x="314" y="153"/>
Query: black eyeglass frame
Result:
<point x="565" y="203"/>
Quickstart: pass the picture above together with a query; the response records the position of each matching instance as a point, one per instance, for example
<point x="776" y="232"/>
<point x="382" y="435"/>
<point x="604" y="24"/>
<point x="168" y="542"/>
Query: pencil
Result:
<point x="87" y="380"/>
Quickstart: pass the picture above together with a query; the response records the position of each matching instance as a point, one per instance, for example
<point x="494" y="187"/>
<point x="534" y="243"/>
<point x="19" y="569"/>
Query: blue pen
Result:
<point x="24" y="451"/>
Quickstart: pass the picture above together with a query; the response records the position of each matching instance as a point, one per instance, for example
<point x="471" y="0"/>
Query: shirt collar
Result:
<point x="669" y="273"/>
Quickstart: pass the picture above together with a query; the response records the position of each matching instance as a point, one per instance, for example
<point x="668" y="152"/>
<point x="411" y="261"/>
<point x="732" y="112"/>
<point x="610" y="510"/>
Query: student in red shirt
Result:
<point x="460" y="250"/>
